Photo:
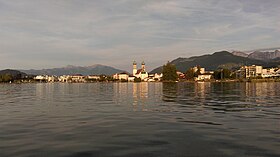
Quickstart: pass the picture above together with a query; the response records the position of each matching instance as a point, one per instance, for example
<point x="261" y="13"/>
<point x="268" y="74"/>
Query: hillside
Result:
<point x="14" y="73"/>
<point x="216" y="60"/>
<point x="70" y="69"/>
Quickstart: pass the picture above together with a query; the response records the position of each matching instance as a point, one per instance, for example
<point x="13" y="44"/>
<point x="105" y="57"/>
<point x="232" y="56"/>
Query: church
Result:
<point x="140" y="73"/>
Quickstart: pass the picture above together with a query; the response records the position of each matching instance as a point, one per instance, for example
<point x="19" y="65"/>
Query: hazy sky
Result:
<point x="54" y="33"/>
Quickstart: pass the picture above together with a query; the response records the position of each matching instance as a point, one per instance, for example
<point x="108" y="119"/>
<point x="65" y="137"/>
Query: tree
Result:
<point x="217" y="75"/>
<point x="226" y="73"/>
<point x="6" y="78"/>
<point x="169" y="72"/>
<point x="137" y="79"/>
<point x="102" y="78"/>
<point x="190" y="74"/>
<point x="110" y="78"/>
<point x="222" y="74"/>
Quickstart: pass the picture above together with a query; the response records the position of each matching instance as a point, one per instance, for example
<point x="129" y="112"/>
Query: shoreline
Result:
<point x="188" y="81"/>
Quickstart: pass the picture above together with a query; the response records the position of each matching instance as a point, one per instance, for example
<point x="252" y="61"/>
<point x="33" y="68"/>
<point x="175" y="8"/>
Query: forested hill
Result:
<point x="222" y="59"/>
<point x="13" y="73"/>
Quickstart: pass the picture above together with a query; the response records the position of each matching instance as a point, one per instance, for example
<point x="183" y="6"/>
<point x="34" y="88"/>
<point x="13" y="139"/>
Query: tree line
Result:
<point x="169" y="72"/>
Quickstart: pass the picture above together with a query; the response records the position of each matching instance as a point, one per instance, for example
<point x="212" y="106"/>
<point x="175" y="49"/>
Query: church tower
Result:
<point x="143" y="66"/>
<point x="134" y="71"/>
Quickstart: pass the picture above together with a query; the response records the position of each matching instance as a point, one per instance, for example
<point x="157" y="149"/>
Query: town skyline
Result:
<point x="50" y="34"/>
<point x="259" y="55"/>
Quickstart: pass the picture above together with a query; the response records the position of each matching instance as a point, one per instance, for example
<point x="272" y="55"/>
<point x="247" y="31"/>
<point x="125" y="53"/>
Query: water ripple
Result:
<point x="139" y="119"/>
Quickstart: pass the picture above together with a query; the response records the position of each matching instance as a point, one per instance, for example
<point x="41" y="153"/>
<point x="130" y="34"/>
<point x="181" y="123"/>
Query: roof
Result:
<point x="122" y="73"/>
<point x="139" y="71"/>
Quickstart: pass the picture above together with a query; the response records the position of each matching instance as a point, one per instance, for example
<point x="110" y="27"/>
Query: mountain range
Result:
<point x="222" y="59"/>
<point x="96" y="69"/>
<point x="261" y="54"/>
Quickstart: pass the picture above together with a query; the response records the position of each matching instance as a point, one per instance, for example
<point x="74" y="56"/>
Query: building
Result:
<point x="78" y="78"/>
<point x="203" y="77"/>
<point x="155" y="77"/>
<point x="140" y="73"/>
<point x="52" y="78"/>
<point x="72" y="78"/>
<point x="121" y="76"/>
<point x="250" y="71"/>
<point x="40" y="78"/>
<point x="93" y="77"/>
<point x="195" y="69"/>
<point x="64" y="78"/>
<point x="258" y="72"/>
<point x="271" y="72"/>
<point x="45" y="78"/>
<point x="181" y="75"/>
<point x="131" y="78"/>
<point x="134" y="71"/>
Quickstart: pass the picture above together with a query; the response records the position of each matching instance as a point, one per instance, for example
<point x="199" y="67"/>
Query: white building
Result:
<point x="203" y="77"/>
<point x="258" y="71"/>
<point x="250" y="71"/>
<point x="131" y="78"/>
<point x="195" y="69"/>
<point x="121" y="76"/>
<point x="45" y="78"/>
<point x="40" y="78"/>
<point x="154" y="77"/>
<point x="72" y="78"/>
<point x="140" y="73"/>
<point x="93" y="77"/>
<point x="64" y="78"/>
<point x="271" y="72"/>
<point x="78" y="78"/>
<point x="52" y="78"/>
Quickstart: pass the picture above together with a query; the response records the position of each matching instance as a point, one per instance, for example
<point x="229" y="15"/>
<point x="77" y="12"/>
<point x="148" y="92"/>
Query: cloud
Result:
<point x="178" y="38"/>
<point x="41" y="34"/>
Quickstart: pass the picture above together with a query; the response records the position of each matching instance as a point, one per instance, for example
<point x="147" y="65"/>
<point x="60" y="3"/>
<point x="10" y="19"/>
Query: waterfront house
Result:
<point x="250" y="71"/>
<point x="195" y="69"/>
<point x="40" y="78"/>
<point x="77" y="78"/>
<point x="271" y="73"/>
<point x="131" y="78"/>
<point x="121" y="76"/>
<point x="45" y="78"/>
<point x="203" y="77"/>
<point x="92" y="77"/>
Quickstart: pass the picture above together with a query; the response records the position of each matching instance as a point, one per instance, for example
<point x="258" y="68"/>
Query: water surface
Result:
<point x="140" y="119"/>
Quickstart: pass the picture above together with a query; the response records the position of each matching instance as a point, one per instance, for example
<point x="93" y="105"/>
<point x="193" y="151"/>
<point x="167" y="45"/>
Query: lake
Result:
<point x="140" y="119"/>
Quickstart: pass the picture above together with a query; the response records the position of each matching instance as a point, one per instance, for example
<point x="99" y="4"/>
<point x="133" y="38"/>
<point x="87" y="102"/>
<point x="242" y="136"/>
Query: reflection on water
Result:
<point x="140" y="95"/>
<point x="140" y="119"/>
<point x="227" y="95"/>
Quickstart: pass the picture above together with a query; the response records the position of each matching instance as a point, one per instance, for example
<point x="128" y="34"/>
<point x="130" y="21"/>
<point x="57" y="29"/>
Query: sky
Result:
<point x="36" y="34"/>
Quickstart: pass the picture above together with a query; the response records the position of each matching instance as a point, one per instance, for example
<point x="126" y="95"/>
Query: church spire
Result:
<point x="134" y="70"/>
<point x="143" y="66"/>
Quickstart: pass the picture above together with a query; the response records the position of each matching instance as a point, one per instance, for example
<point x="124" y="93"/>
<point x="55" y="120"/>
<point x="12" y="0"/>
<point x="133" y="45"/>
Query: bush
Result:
<point x="137" y="79"/>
